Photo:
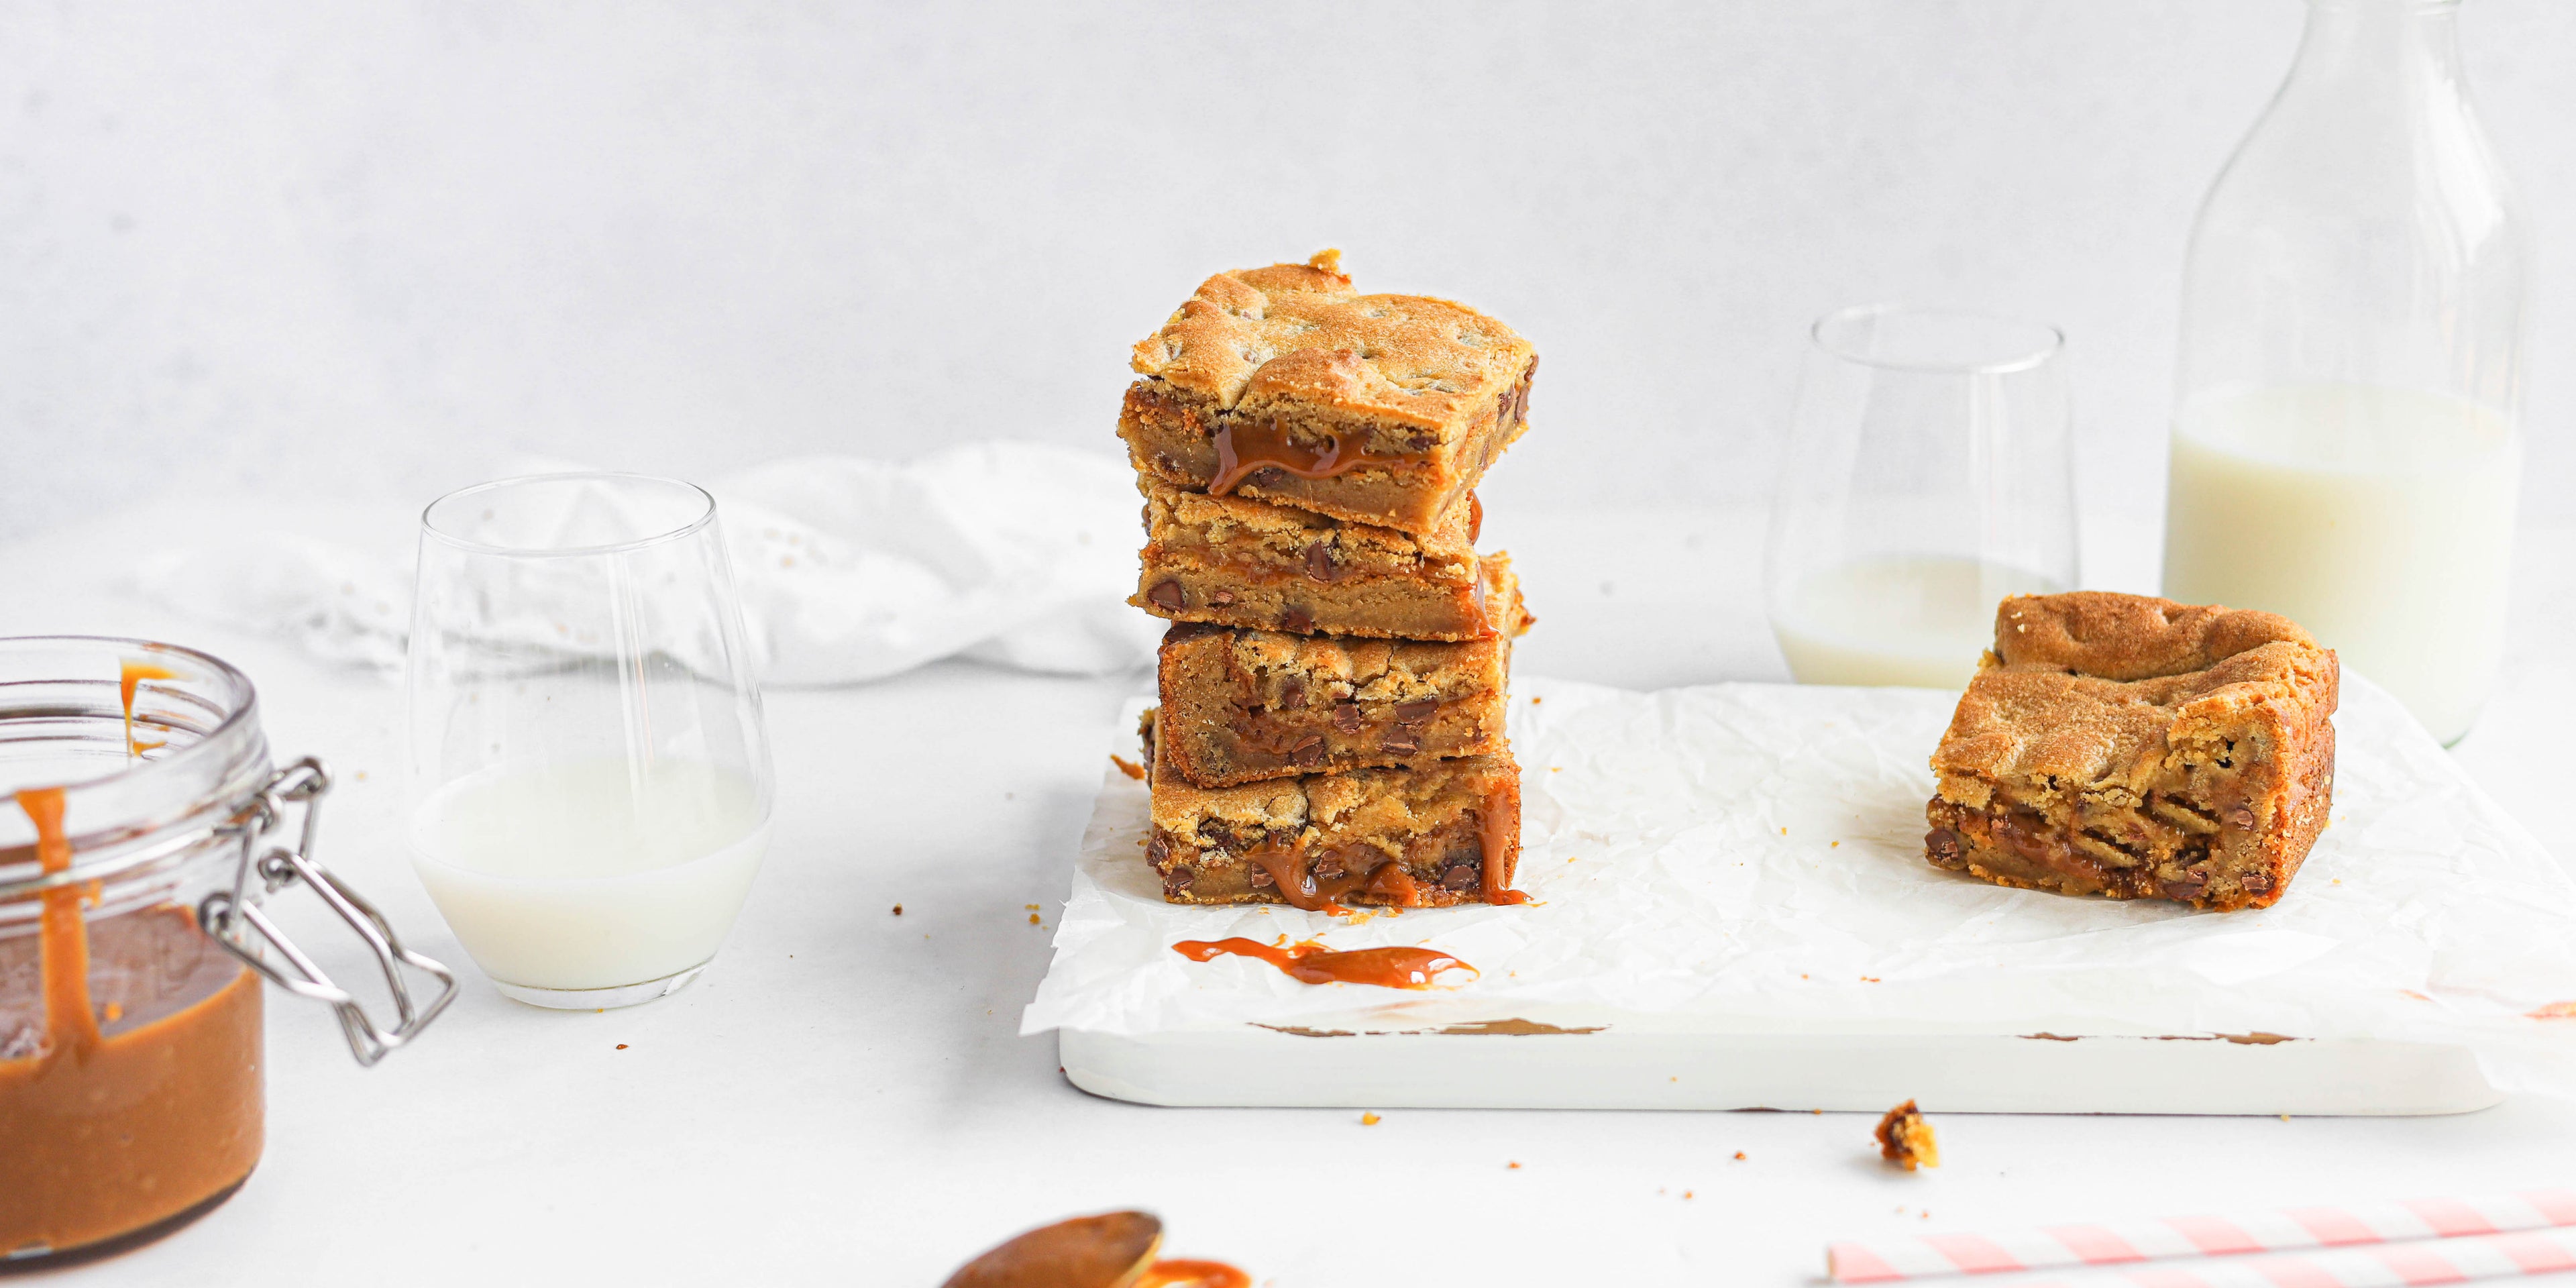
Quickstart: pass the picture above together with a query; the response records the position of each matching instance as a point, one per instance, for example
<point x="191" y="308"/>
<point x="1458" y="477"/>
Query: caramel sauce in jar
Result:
<point x="130" y="1087"/>
<point x="131" y="1065"/>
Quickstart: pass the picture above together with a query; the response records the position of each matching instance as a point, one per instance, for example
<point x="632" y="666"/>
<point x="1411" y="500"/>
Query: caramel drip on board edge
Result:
<point x="1310" y="962"/>
<point x="1244" y="448"/>
<point x="1184" y="1273"/>
<point x="128" y="676"/>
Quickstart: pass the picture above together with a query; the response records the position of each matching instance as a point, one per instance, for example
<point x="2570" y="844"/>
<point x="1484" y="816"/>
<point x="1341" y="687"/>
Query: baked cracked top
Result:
<point x="2098" y="689"/>
<point x="1298" y="331"/>
<point x="2131" y="637"/>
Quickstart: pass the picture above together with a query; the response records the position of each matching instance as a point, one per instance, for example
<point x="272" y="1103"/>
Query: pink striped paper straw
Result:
<point x="2126" y="1242"/>
<point x="2387" y="1265"/>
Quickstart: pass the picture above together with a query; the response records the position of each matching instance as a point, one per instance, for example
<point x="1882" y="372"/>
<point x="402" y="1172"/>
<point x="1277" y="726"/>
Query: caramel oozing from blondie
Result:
<point x="2137" y="748"/>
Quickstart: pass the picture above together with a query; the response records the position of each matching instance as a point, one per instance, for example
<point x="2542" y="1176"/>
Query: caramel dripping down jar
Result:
<point x="142" y="827"/>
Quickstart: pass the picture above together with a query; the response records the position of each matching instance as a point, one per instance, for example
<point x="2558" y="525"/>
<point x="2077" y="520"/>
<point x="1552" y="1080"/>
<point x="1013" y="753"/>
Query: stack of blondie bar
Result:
<point x="1335" y="678"/>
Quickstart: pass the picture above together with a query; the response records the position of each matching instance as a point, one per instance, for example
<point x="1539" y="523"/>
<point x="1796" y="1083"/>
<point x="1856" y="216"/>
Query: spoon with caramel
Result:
<point x="1111" y="1250"/>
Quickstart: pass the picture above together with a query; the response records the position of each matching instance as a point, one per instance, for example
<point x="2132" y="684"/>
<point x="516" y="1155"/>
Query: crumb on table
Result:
<point x="1906" y="1140"/>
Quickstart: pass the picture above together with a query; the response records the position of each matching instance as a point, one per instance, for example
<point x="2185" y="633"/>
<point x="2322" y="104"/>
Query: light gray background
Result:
<point x="376" y="249"/>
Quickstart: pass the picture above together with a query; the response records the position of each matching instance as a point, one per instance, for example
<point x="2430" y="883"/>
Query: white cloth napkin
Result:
<point x="1018" y="554"/>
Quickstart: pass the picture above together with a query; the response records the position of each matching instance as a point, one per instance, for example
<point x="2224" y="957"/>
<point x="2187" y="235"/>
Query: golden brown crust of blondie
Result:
<point x="2031" y="721"/>
<point x="2131" y="746"/>
<point x="1230" y="561"/>
<point x="1300" y="332"/>
<point x="1244" y="705"/>
<point x="1388" y="837"/>
<point x="1285" y="537"/>
<point x="1283" y="384"/>
<point x="2131" y="637"/>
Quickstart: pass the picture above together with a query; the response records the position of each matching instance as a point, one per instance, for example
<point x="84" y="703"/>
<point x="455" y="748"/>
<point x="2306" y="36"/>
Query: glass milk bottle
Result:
<point x="2346" y="446"/>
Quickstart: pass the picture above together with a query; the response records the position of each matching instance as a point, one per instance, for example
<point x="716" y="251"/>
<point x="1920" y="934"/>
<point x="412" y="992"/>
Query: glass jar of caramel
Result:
<point x="142" y="825"/>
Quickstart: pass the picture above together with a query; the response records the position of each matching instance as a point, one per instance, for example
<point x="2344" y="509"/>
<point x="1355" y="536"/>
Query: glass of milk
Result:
<point x="1928" y="475"/>
<point x="590" y="773"/>
<point x="2347" y="447"/>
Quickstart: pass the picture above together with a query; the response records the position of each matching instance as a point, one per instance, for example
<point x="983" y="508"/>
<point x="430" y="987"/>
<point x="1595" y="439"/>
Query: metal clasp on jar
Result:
<point x="232" y="917"/>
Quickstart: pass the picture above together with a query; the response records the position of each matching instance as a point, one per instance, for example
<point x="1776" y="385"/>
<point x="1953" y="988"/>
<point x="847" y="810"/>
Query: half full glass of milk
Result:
<point x="1928" y="475"/>
<point x="590" y="773"/>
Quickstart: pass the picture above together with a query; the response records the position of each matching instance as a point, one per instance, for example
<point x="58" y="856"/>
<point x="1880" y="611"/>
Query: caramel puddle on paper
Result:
<point x="1311" y="963"/>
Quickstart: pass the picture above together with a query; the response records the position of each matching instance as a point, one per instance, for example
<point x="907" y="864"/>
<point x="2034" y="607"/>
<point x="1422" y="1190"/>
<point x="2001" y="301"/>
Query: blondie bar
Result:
<point x="1448" y="833"/>
<point x="1244" y="705"/>
<point x="1238" y="562"/>
<point x="2135" y="747"/>
<point x="1285" y="384"/>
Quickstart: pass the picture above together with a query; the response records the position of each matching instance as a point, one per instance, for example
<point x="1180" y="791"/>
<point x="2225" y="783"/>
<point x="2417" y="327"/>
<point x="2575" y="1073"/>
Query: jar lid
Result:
<point x="154" y="746"/>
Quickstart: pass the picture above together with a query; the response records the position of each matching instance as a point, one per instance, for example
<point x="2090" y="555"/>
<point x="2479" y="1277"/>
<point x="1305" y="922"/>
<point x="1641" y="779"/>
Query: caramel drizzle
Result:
<point x="1177" y="1272"/>
<point x="1395" y="885"/>
<point x="1500" y="834"/>
<point x="1242" y="447"/>
<point x="64" y="933"/>
<point x="131" y="674"/>
<point x="1310" y="962"/>
<point x="1293" y="871"/>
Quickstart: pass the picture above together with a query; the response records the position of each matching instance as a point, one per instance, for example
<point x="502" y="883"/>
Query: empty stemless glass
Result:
<point x="1928" y="475"/>
<point x="590" y="775"/>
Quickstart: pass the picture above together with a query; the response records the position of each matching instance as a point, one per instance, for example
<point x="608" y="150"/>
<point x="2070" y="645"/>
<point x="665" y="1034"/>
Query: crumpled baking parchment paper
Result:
<point x="1749" y="857"/>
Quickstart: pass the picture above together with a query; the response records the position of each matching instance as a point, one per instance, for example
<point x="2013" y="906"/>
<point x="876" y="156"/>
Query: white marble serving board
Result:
<point x="1732" y="910"/>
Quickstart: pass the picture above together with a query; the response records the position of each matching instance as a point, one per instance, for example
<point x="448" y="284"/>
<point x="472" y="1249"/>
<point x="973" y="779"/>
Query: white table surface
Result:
<point x="844" y="1097"/>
